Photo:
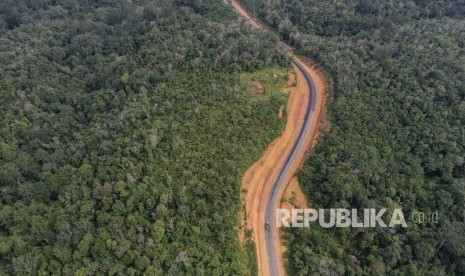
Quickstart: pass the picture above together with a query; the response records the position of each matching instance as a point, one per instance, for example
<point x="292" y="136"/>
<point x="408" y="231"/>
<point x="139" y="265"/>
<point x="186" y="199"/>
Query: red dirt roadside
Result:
<point x="258" y="179"/>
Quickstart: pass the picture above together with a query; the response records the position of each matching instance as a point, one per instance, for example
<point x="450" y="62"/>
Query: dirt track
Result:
<point x="259" y="179"/>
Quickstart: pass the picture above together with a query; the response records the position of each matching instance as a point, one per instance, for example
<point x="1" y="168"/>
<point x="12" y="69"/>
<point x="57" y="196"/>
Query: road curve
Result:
<point x="273" y="199"/>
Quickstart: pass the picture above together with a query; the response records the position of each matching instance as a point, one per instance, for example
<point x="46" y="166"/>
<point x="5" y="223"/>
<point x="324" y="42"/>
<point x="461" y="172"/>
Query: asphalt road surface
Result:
<point x="273" y="198"/>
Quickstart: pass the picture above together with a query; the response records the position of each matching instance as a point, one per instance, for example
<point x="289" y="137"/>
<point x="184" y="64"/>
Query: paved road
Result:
<point x="273" y="198"/>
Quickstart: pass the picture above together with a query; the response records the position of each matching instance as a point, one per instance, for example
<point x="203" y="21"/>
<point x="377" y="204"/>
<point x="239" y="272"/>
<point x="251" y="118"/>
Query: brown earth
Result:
<point x="292" y="198"/>
<point x="320" y="109"/>
<point x="281" y="112"/>
<point x="238" y="7"/>
<point x="258" y="179"/>
<point x="257" y="87"/>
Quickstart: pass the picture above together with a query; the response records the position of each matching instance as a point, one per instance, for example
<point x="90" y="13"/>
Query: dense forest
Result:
<point x="397" y="109"/>
<point x="125" y="129"/>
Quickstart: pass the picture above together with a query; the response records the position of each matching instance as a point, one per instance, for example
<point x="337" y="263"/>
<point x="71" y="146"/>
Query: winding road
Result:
<point x="274" y="259"/>
<point x="274" y="197"/>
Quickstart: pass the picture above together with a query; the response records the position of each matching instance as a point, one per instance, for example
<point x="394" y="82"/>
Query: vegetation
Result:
<point x="397" y="139"/>
<point x="125" y="128"/>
